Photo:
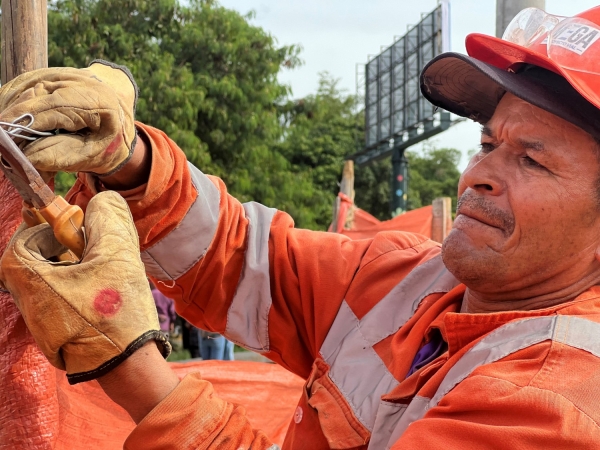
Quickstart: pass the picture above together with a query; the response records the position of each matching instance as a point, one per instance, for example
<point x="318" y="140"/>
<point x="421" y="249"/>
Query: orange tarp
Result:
<point x="415" y="221"/>
<point x="39" y="410"/>
<point x="364" y="225"/>
<point x="88" y="419"/>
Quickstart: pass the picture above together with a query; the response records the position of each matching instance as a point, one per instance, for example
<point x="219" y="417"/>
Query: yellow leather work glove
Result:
<point x="92" y="108"/>
<point x="88" y="317"/>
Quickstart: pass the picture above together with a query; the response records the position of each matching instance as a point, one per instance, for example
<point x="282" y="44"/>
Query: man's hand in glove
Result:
<point x="88" y="317"/>
<point x="91" y="109"/>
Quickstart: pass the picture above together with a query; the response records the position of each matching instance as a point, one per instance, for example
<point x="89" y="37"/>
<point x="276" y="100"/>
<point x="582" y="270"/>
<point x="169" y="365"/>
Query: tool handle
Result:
<point x="67" y="222"/>
<point x="31" y="216"/>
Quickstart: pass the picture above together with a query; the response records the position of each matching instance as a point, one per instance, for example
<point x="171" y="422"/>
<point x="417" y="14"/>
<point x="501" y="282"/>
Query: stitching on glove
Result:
<point x="109" y="365"/>
<point x="127" y="72"/>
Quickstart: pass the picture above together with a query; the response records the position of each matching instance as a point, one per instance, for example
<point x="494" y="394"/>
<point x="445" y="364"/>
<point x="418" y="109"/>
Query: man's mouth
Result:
<point x="478" y="217"/>
<point x="484" y="211"/>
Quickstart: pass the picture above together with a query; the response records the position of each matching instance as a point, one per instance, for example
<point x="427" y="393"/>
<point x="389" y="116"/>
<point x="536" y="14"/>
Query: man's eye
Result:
<point x="532" y="162"/>
<point x="485" y="147"/>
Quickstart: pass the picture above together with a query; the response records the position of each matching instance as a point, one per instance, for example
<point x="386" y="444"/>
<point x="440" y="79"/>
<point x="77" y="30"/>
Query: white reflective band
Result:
<point x="183" y="247"/>
<point x="388" y="416"/>
<point x="355" y="368"/>
<point x="248" y="315"/>
<point x="575" y="332"/>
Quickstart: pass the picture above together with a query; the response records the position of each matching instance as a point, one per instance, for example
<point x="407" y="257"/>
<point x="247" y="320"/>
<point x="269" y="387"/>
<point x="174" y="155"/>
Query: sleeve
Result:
<point x="192" y="416"/>
<point x="241" y="270"/>
<point x="486" y="412"/>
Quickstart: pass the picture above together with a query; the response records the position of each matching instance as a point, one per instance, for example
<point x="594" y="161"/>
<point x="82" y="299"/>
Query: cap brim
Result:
<point x="471" y="88"/>
<point x="508" y="56"/>
<point x="463" y="85"/>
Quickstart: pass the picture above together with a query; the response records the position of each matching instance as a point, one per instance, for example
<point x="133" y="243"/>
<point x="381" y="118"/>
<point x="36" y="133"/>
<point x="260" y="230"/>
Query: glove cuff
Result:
<point x="158" y="336"/>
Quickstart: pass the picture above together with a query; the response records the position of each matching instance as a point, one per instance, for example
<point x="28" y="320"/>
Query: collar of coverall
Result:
<point x="471" y="88"/>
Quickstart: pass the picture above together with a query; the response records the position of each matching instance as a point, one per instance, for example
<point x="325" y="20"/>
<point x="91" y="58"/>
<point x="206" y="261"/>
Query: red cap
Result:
<point x="506" y="55"/>
<point x="471" y="86"/>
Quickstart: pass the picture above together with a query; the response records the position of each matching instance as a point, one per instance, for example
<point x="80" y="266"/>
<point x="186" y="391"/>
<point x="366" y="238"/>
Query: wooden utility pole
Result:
<point x="441" y="222"/>
<point x="29" y="406"/>
<point x="24" y="37"/>
<point x="346" y="188"/>
<point x="506" y="10"/>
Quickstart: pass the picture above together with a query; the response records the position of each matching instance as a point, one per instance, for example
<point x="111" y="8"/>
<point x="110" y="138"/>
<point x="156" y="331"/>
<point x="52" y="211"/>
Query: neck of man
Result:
<point x="538" y="297"/>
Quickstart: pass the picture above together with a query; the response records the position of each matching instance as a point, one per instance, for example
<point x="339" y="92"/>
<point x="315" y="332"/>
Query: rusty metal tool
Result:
<point x="40" y="203"/>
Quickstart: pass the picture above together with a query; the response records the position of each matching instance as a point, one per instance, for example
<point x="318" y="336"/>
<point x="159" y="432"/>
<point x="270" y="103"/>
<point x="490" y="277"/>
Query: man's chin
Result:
<point x="472" y="263"/>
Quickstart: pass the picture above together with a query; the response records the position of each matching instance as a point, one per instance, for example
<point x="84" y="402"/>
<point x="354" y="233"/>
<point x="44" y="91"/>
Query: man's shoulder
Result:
<point x="556" y="372"/>
<point x="391" y="257"/>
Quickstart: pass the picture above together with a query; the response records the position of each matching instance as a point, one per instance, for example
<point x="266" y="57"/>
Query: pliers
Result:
<point x="40" y="203"/>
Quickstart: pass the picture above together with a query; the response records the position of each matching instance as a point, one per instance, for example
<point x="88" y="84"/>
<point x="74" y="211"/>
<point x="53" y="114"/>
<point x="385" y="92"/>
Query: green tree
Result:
<point x="372" y="187"/>
<point x="207" y="77"/>
<point x="320" y="131"/>
<point x="432" y="174"/>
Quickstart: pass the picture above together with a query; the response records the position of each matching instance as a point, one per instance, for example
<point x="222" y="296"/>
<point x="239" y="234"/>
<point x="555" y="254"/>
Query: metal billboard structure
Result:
<point x="396" y="114"/>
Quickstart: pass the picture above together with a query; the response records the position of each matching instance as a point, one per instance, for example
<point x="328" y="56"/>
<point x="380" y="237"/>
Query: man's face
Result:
<point x="527" y="221"/>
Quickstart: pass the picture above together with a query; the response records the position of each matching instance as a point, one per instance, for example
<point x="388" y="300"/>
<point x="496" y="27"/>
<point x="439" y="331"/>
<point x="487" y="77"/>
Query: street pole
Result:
<point x="24" y="37"/>
<point x="399" y="182"/>
<point x="506" y="10"/>
<point x="29" y="409"/>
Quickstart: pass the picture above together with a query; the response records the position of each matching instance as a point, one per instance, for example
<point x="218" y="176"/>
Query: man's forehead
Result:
<point x="525" y="140"/>
<point x="528" y="123"/>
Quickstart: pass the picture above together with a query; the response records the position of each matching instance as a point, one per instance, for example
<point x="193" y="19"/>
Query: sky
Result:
<point x="336" y="35"/>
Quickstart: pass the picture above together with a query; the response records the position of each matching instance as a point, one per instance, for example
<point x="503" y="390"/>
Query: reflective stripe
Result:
<point x="183" y="247"/>
<point x="575" y="332"/>
<point x="388" y="415"/>
<point x="248" y="315"/>
<point x="399" y="305"/>
<point x="355" y="368"/>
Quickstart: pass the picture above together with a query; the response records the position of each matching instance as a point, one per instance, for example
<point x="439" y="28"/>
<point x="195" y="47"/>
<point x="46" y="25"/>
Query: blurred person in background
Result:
<point x="212" y="345"/>
<point x="165" y="307"/>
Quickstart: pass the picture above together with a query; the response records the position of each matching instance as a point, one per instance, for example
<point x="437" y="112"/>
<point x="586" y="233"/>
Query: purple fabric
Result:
<point x="430" y="351"/>
<point x="165" y="307"/>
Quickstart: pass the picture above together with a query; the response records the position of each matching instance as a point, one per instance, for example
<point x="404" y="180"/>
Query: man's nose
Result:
<point x="483" y="174"/>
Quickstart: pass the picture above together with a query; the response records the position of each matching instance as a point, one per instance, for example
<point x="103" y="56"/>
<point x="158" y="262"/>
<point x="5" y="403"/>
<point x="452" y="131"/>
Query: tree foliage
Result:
<point x="208" y="78"/>
<point x="432" y="173"/>
<point x="319" y="132"/>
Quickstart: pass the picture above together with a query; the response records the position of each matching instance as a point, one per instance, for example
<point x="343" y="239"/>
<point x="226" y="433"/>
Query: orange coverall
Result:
<point x="303" y="298"/>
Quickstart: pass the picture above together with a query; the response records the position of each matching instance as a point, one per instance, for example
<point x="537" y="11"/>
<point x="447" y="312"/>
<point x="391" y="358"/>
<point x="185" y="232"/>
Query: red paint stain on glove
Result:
<point x="114" y="145"/>
<point x="108" y="302"/>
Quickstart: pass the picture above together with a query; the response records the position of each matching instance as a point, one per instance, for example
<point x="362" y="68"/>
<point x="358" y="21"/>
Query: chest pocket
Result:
<point x="341" y="429"/>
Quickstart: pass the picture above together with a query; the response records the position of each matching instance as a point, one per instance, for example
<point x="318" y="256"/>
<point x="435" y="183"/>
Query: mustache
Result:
<point x="472" y="202"/>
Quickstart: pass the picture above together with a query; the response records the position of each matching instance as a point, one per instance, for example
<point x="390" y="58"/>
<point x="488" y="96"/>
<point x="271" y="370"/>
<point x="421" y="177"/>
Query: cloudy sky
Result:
<point x="337" y="34"/>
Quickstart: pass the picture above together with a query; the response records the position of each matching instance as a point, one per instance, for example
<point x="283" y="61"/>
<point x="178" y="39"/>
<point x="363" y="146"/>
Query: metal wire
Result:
<point x="16" y="130"/>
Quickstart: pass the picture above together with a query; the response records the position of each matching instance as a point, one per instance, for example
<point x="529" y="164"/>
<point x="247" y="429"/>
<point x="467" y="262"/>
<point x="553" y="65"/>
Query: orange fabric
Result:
<point x="158" y="206"/>
<point x="415" y="221"/>
<point x="516" y="401"/>
<point x="90" y="418"/>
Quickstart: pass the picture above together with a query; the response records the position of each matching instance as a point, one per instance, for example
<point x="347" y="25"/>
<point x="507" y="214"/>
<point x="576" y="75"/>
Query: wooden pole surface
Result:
<point x="29" y="406"/>
<point x="24" y="37"/>
<point x="347" y="188"/>
<point x="441" y="222"/>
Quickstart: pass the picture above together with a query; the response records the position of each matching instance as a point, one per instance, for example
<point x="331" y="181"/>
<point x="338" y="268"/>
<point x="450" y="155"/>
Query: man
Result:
<point x="491" y="343"/>
<point x="165" y="309"/>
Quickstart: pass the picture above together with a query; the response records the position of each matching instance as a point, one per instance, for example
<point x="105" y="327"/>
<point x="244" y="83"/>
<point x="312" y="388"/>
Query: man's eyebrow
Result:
<point x="487" y="131"/>
<point x="532" y="145"/>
